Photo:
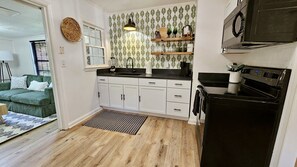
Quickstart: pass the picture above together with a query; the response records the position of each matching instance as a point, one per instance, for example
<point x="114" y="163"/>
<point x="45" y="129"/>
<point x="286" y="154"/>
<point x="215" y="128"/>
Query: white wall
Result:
<point x="6" y="44"/>
<point x="77" y="87"/>
<point x="209" y="29"/>
<point x="23" y="62"/>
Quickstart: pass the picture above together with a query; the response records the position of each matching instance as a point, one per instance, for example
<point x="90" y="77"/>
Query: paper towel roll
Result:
<point x="148" y="68"/>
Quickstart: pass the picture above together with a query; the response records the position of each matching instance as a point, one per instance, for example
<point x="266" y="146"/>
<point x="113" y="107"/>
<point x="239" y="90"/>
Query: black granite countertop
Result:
<point x="214" y="79"/>
<point x="173" y="74"/>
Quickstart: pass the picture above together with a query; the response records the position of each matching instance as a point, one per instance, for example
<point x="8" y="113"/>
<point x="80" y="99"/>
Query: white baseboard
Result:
<point x="82" y="118"/>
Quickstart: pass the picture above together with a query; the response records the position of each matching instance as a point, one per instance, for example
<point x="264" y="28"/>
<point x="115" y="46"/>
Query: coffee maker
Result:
<point x="185" y="68"/>
<point x="112" y="64"/>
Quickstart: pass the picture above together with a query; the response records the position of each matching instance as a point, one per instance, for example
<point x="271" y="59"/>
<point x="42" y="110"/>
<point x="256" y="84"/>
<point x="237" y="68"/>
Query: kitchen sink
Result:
<point x="128" y="73"/>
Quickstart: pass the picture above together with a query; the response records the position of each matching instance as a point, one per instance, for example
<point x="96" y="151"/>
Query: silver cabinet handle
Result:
<point x="178" y="84"/>
<point x="176" y="109"/>
<point x="121" y="96"/>
<point x="177" y="95"/>
<point x="152" y="83"/>
<point x="102" y="79"/>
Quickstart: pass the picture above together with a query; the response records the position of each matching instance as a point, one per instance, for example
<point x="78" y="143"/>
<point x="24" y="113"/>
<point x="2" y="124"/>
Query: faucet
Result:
<point x="127" y="65"/>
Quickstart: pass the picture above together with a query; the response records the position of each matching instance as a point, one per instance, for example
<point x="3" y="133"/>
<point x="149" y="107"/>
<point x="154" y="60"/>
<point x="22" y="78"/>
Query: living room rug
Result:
<point x="116" y="121"/>
<point x="17" y="124"/>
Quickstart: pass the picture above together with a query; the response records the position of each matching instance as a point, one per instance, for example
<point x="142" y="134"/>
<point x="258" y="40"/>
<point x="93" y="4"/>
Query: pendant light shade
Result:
<point x="131" y="25"/>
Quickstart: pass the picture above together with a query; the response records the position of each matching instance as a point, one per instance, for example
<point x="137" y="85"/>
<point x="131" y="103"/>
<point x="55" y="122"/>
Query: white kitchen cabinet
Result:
<point x="178" y="95"/>
<point x="103" y="94"/>
<point x="116" y="96"/>
<point x="152" y="82"/>
<point x="123" y="93"/>
<point x="102" y="79"/>
<point x="178" y="109"/>
<point x="178" y="98"/>
<point x="152" y="99"/>
<point x="155" y="96"/>
<point x="131" y="97"/>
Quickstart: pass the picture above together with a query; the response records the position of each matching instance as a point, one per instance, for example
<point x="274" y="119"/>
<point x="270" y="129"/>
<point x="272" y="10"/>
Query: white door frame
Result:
<point x="46" y="8"/>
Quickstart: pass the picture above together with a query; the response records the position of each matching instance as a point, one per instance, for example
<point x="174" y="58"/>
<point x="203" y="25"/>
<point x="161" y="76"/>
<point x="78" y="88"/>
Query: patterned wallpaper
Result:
<point x="138" y="44"/>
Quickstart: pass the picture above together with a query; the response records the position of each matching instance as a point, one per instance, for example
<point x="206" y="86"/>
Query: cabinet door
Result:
<point x="131" y="97"/>
<point x="152" y="99"/>
<point x="103" y="95"/>
<point x="116" y="95"/>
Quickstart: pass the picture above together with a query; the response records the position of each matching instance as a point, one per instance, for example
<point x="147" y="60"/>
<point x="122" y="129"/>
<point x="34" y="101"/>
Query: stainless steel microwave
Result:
<point x="260" y="23"/>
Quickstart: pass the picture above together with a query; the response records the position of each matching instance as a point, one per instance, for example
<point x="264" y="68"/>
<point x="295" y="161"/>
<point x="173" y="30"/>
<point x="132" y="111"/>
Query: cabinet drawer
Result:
<point x="178" y="95"/>
<point x="123" y="80"/>
<point x="152" y="82"/>
<point x="179" y="84"/>
<point x="178" y="109"/>
<point x="102" y="79"/>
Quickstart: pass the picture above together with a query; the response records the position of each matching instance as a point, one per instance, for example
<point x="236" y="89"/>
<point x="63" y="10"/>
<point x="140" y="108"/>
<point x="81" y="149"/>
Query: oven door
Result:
<point x="199" y="122"/>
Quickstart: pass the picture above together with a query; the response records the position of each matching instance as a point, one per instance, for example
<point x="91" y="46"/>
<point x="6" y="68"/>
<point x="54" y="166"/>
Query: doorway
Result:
<point x="24" y="34"/>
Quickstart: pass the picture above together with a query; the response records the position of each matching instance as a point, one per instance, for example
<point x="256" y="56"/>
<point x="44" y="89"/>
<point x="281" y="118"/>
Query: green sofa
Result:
<point x="35" y="103"/>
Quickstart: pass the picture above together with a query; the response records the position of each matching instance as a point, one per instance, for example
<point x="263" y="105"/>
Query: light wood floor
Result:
<point x="160" y="142"/>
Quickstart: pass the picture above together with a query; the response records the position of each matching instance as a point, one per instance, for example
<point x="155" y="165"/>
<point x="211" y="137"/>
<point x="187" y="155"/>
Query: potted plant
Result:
<point x="235" y="71"/>
<point x="169" y="32"/>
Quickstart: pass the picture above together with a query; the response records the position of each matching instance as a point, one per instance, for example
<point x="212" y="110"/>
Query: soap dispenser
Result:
<point x="148" y="68"/>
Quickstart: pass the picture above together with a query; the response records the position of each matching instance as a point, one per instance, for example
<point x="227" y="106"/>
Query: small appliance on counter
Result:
<point x="112" y="64"/>
<point x="185" y="68"/>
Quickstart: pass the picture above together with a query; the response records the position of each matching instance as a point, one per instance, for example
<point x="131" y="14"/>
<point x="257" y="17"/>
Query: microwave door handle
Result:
<point x="240" y="31"/>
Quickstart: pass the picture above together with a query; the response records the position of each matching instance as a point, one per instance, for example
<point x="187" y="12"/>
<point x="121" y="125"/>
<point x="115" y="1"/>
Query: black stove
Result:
<point x="241" y="120"/>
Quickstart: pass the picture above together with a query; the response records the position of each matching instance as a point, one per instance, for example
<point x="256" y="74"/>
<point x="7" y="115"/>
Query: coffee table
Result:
<point x="3" y="111"/>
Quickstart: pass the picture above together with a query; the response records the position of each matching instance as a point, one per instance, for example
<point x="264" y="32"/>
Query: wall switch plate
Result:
<point x="63" y="64"/>
<point x="61" y="50"/>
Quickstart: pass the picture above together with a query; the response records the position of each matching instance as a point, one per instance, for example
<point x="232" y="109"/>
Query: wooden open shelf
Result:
<point x="172" y="53"/>
<point x="172" y="39"/>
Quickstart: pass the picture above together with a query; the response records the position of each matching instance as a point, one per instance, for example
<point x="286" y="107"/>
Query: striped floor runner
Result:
<point x="116" y="121"/>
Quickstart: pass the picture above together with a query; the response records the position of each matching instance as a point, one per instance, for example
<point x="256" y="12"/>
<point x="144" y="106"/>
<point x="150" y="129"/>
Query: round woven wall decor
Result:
<point x="71" y="29"/>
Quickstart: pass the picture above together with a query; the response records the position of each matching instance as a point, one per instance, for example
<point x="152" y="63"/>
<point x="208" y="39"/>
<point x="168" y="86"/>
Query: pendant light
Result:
<point x="131" y="25"/>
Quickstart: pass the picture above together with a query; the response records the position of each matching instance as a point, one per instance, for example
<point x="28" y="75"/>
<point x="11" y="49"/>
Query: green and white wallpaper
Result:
<point x="138" y="44"/>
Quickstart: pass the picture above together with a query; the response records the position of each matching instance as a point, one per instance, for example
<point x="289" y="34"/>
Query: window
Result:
<point x="93" y="46"/>
<point x="40" y="57"/>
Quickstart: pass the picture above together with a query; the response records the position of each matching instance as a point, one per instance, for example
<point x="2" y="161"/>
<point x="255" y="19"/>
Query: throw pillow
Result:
<point x="38" y="86"/>
<point x="18" y="82"/>
<point x="50" y="85"/>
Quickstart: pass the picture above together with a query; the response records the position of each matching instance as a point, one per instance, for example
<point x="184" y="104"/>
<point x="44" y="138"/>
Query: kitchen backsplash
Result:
<point x="138" y="45"/>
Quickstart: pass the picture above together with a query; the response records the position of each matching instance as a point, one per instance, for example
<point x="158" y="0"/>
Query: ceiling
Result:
<point x="123" y="5"/>
<point x="28" y="22"/>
